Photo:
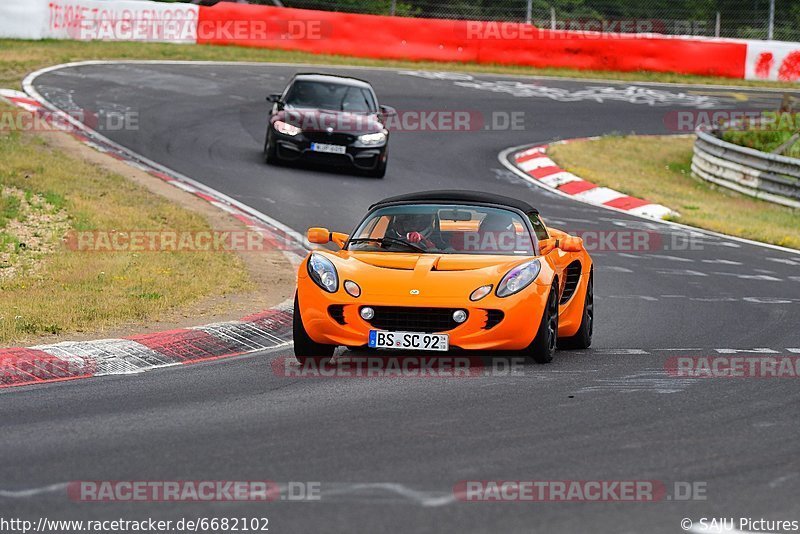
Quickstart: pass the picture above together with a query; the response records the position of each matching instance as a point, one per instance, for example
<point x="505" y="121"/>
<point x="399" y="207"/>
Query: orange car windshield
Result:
<point x="443" y="229"/>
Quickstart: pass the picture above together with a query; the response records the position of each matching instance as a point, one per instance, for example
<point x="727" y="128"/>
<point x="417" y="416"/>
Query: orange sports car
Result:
<point x="440" y="270"/>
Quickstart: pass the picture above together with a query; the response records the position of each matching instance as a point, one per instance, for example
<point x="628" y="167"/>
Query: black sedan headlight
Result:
<point x="286" y="128"/>
<point x="372" y="139"/>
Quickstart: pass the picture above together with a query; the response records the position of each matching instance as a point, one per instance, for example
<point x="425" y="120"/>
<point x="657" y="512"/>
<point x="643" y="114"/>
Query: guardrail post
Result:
<point x="771" y="27"/>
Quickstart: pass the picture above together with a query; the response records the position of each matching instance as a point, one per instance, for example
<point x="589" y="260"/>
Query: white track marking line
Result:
<point x="785" y="261"/>
<point x="764" y="350"/>
<point x="423" y="498"/>
<point x="672" y="258"/>
<point x="681" y="272"/>
<point x="32" y="492"/>
<point x="723" y="262"/>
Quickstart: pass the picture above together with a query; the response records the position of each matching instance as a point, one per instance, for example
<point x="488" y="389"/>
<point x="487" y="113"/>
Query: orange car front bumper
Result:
<point x="522" y="313"/>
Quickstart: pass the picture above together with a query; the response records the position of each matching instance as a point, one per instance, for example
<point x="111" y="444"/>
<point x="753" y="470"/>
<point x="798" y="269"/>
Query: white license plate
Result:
<point x="381" y="339"/>
<point x="330" y="149"/>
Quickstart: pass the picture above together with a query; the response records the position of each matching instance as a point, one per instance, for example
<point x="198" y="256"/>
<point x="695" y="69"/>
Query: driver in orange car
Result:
<point x="418" y="228"/>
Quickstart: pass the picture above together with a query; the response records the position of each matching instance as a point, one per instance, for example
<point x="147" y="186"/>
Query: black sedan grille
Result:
<point x="330" y="138"/>
<point x="412" y="319"/>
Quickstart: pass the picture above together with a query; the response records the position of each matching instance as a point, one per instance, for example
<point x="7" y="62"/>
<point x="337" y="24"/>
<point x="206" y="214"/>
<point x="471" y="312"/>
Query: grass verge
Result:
<point x="659" y="169"/>
<point x="19" y="57"/>
<point x="55" y="290"/>
<point x="763" y="138"/>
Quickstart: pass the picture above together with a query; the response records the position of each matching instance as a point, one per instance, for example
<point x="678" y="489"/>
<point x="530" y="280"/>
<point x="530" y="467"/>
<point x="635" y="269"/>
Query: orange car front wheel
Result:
<point x="543" y="347"/>
<point x="305" y="348"/>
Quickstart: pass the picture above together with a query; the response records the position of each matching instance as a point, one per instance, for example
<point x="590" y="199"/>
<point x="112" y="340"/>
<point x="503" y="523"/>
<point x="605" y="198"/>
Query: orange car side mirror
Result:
<point x="546" y="246"/>
<point x="567" y="244"/>
<point x="571" y="244"/>
<point x="319" y="236"/>
<point x="323" y="236"/>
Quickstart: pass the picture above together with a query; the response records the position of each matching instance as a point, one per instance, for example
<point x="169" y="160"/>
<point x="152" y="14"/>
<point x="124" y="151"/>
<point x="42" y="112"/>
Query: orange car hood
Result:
<point x="381" y="273"/>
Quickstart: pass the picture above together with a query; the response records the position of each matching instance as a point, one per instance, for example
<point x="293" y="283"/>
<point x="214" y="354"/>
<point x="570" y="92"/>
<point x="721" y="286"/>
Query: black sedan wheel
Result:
<point x="270" y="152"/>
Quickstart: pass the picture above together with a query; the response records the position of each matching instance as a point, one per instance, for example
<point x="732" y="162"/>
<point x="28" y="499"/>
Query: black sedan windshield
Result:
<point x="330" y="96"/>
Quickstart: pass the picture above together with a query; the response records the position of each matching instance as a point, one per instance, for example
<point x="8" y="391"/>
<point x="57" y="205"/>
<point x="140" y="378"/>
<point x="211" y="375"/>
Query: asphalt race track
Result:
<point x="388" y="452"/>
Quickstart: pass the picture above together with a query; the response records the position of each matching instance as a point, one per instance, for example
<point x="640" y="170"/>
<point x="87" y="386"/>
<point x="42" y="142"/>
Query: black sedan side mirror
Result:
<point x="274" y="98"/>
<point x="388" y="111"/>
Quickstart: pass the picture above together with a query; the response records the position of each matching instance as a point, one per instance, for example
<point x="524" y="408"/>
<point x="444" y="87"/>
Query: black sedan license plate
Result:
<point x="329" y="149"/>
<point x="381" y="339"/>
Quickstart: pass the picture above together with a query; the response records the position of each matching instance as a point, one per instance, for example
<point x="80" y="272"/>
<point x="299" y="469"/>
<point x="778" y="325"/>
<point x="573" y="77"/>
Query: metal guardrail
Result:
<point x="752" y="172"/>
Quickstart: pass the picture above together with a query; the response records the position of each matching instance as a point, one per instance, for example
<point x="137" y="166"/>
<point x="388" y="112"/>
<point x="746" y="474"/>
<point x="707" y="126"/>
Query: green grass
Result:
<point x="659" y="169"/>
<point x="9" y="208"/>
<point x="765" y="139"/>
<point x="19" y="57"/>
<point x="55" y="290"/>
<point x="7" y="240"/>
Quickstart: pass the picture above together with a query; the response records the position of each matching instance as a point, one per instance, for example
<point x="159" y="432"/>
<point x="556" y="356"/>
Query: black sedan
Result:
<point x="328" y="119"/>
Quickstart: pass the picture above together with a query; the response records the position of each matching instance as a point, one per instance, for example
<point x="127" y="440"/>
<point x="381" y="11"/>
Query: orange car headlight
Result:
<point x="518" y="278"/>
<point x="322" y="271"/>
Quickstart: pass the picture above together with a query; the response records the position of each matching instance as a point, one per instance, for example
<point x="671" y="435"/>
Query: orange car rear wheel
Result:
<point x="305" y="348"/>
<point x="543" y="347"/>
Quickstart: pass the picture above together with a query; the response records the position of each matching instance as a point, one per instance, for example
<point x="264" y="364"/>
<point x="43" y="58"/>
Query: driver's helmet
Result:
<point x="496" y="222"/>
<point x="414" y="222"/>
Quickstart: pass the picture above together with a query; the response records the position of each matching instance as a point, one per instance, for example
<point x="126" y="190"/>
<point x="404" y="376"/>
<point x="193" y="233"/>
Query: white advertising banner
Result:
<point x="107" y="20"/>
<point x="22" y="19"/>
<point x="126" y="20"/>
<point x="772" y="60"/>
